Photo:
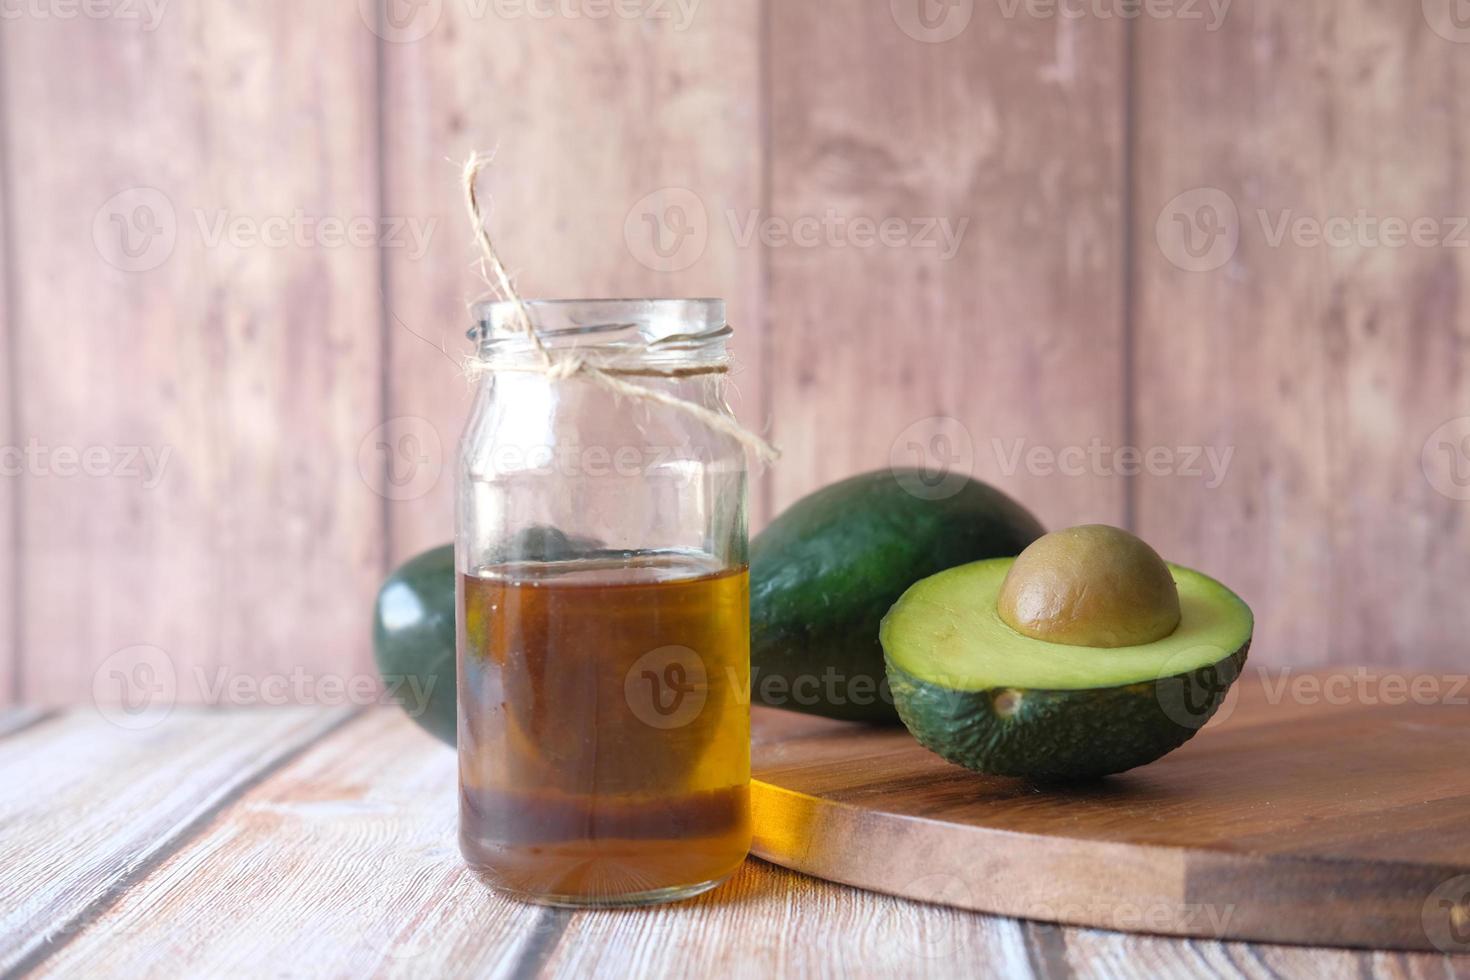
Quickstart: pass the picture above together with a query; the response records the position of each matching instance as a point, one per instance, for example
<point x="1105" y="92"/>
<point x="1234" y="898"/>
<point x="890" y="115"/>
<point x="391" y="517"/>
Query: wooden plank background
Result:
<point x="255" y="366"/>
<point x="1326" y="368"/>
<point x="309" y="434"/>
<point x="1013" y="132"/>
<point x="9" y="485"/>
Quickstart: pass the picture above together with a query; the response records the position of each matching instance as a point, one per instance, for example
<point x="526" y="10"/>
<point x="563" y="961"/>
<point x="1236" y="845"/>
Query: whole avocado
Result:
<point x="413" y="640"/>
<point x="414" y="630"/>
<point x="824" y="573"/>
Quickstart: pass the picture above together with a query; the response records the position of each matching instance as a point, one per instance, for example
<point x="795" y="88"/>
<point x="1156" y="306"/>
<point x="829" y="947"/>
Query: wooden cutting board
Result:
<point x="1330" y="809"/>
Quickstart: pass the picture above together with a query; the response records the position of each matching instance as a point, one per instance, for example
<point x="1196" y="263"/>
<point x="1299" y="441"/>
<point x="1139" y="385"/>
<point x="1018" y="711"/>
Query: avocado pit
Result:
<point x="1090" y="586"/>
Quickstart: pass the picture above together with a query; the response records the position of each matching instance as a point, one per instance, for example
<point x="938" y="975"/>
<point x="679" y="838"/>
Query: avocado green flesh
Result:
<point x="946" y="630"/>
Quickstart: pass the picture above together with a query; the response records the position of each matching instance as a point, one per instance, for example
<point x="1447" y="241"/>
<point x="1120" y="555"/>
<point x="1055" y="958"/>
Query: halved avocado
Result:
<point x="984" y="695"/>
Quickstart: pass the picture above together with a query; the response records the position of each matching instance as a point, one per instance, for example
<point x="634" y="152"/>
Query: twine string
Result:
<point x="609" y="373"/>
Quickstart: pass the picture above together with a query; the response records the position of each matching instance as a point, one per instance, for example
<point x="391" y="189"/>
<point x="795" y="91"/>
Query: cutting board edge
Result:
<point x="1151" y="885"/>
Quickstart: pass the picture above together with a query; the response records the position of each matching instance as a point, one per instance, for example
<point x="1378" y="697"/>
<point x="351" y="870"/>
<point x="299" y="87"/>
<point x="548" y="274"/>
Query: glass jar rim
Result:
<point x="688" y="329"/>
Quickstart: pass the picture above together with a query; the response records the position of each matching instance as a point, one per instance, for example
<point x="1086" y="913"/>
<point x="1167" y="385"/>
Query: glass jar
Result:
<point x="603" y="597"/>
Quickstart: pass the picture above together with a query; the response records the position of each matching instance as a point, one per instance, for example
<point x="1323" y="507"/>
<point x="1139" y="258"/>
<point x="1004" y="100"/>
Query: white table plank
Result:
<point x="86" y="806"/>
<point x="1102" y="954"/>
<point x="340" y="860"/>
<point x="14" y="719"/>
<point x="770" y="922"/>
<point x="343" y="863"/>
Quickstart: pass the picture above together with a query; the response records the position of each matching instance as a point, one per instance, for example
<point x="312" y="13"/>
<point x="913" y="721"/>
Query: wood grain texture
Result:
<point x="9" y="484"/>
<point x="1337" y="822"/>
<point x="1013" y="126"/>
<point x="587" y="117"/>
<point x="342" y="862"/>
<point x="1326" y="367"/>
<point x="1097" y="953"/>
<point x="18" y="718"/>
<point x="88" y="805"/>
<point x="769" y="922"/>
<point x="239" y="337"/>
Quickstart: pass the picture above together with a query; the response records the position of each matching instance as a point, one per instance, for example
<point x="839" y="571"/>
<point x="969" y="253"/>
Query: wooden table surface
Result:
<point x="321" y="842"/>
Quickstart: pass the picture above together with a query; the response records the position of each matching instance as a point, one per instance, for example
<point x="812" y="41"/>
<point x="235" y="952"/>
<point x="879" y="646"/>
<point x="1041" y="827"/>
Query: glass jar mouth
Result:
<point x="675" y="329"/>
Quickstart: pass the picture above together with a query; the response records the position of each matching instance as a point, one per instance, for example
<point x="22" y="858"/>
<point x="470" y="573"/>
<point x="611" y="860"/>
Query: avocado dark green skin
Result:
<point x="413" y="624"/>
<point x="413" y="640"/>
<point x="1063" y="735"/>
<point x="824" y="573"/>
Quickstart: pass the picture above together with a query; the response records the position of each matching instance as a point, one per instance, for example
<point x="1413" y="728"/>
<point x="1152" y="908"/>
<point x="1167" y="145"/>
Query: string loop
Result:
<point x="563" y="365"/>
